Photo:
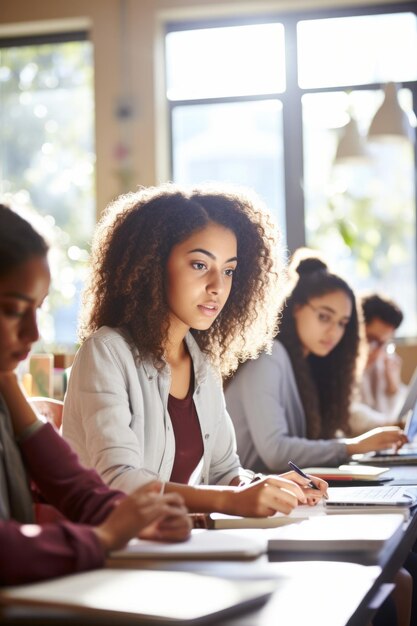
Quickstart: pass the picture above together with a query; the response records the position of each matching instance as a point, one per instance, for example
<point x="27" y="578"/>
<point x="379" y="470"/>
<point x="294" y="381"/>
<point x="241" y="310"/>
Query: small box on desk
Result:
<point x="41" y="368"/>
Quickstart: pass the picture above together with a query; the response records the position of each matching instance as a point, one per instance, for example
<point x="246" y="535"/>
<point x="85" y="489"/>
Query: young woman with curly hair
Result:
<point x="183" y="282"/>
<point x="294" y="403"/>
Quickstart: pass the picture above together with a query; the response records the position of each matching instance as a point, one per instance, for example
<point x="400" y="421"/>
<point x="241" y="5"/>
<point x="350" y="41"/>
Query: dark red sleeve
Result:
<point x="77" y="492"/>
<point x="29" y="552"/>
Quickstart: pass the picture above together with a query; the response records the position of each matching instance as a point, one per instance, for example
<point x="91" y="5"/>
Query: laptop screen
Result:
<point x="411" y="424"/>
<point x="411" y="397"/>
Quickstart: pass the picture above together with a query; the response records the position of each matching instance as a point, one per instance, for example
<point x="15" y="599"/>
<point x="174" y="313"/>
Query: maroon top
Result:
<point x="188" y="440"/>
<point x="64" y="547"/>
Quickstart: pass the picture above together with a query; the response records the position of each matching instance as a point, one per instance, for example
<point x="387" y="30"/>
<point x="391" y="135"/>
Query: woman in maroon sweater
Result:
<point x="97" y="519"/>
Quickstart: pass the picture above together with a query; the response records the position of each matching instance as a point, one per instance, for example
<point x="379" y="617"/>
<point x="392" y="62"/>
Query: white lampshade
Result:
<point x="390" y="120"/>
<point x="351" y="145"/>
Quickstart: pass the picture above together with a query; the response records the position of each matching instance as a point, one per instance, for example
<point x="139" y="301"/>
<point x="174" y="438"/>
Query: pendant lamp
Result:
<point x="391" y="121"/>
<point x="351" y="145"/>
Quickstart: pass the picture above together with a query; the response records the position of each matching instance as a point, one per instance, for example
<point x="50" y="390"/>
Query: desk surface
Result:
<point x="332" y="590"/>
<point x="308" y="592"/>
<point x="403" y="475"/>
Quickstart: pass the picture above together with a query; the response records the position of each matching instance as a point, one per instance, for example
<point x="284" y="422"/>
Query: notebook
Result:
<point x="203" y="544"/>
<point x="143" y="596"/>
<point x="382" y="496"/>
<point x="221" y="521"/>
<point x="348" y="472"/>
<point x="336" y="533"/>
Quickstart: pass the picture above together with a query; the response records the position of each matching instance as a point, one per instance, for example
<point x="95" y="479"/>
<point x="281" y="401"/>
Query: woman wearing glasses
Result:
<point x="294" y="403"/>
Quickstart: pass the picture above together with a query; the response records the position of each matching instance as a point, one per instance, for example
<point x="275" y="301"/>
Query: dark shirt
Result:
<point x="188" y="440"/>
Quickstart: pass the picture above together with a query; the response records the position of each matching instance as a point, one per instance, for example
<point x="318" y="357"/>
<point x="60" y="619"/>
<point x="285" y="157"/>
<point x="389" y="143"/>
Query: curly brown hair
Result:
<point x="325" y="383"/>
<point x="131" y="246"/>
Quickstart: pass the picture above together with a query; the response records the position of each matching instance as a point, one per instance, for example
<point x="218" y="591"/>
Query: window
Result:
<point x="47" y="159"/>
<point x="226" y="113"/>
<point x="263" y="104"/>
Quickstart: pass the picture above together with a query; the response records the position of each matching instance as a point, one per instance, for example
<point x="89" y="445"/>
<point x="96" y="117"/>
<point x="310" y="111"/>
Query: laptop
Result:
<point x="408" y="452"/>
<point x="410" y="399"/>
<point x="379" y="496"/>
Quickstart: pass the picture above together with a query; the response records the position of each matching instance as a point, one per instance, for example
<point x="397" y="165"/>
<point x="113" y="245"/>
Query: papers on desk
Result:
<point x="320" y="533"/>
<point x="203" y="544"/>
<point x="143" y="596"/>
<point x="337" y="533"/>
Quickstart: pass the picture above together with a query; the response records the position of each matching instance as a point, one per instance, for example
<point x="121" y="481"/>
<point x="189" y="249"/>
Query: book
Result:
<point x="203" y="544"/>
<point x="337" y="533"/>
<point x="367" y="473"/>
<point x="219" y="521"/>
<point x="138" y="596"/>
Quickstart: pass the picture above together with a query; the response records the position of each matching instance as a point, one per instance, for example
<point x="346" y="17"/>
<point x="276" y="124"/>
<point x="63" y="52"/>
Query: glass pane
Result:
<point x="240" y="143"/>
<point x="361" y="213"/>
<point x="47" y="161"/>
<point x="357" y="50"/>
<point x="227" y="61"/>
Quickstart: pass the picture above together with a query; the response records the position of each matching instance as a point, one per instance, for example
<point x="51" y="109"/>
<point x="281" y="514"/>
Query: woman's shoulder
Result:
<point x="278" y="355"/>
<point x="105" y="340"/>
<point x="108" y="335"/>
<point x="279" y="352"/>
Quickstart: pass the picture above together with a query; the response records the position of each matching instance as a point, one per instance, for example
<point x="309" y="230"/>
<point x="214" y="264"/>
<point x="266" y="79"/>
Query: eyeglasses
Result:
<point x="326" y="319"/>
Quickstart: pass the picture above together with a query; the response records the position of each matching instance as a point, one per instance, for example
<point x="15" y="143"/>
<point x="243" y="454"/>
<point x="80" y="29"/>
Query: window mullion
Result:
<point x="293" y="144"/>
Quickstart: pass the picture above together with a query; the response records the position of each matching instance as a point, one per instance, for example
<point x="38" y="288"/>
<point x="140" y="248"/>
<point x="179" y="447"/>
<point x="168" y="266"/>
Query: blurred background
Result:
<point x="313" y="104"/>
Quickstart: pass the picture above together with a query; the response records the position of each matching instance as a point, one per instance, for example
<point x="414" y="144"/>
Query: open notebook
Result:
<point x="203" y="544"/>
<point x="143" y="596"/>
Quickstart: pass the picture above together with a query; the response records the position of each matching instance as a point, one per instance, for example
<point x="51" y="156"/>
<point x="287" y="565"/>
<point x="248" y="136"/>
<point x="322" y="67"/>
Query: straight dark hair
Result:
<point x="19" y="241"/>
<point x="325" y="383"/>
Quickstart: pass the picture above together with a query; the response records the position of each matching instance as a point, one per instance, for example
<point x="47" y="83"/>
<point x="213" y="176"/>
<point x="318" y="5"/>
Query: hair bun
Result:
<point x="310" y="265"/>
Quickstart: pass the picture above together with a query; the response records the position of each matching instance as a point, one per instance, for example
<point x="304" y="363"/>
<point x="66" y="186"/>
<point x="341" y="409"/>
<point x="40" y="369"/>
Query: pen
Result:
<point x="161" y="491"/>
<point x="301" y="473"/>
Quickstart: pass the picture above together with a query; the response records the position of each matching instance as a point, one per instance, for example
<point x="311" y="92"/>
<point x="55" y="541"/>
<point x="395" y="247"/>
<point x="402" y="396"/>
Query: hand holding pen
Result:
<point x="310" y="484"/>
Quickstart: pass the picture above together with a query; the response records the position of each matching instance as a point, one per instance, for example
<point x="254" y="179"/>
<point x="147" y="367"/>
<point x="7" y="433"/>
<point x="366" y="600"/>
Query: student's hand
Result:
<point x="164" y="515"/>
<point x="313" y="495"/>
<point x="377" y="439"/>
<point x="174" y="526"/>
<point x="265" y="497"/>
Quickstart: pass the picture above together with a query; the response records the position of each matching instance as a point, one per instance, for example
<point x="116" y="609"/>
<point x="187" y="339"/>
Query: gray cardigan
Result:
<point x="116" y="416"/>
<point x="265" y="406"/>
